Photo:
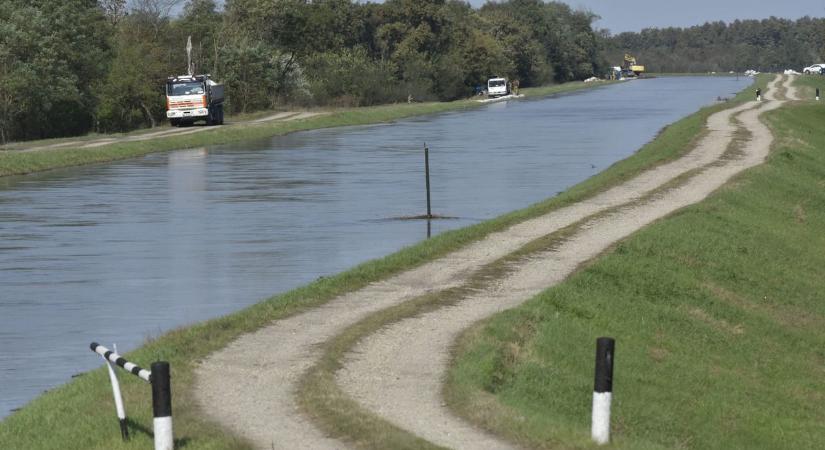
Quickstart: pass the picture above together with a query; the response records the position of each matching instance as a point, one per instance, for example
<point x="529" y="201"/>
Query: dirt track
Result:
<point x="167" y="132"/>
<point x="397" y="373"/>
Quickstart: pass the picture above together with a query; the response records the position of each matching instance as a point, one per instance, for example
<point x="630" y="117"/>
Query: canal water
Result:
<point x="121" y="252"/>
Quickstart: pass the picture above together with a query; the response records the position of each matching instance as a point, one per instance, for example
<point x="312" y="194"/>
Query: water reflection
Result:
<point x="120" y="252"/>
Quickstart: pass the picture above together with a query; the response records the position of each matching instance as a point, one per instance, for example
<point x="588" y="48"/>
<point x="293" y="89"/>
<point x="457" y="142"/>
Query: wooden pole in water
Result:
<point x="427" y="176"/>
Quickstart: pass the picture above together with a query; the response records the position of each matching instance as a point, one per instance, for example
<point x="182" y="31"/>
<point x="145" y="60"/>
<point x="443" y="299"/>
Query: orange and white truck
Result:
<point x="194" y="97"/>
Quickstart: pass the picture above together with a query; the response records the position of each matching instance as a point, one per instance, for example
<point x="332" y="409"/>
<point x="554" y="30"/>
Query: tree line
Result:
<point x="768" y="45"/>
<point x="75" y="66"/>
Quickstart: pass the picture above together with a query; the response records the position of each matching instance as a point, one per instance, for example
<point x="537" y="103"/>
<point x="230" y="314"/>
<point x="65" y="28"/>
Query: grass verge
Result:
<point x="717" y="312"/>
<point x="79" y="414"/>
<point x="807" y="85"/>
<point x="19" y="163"/>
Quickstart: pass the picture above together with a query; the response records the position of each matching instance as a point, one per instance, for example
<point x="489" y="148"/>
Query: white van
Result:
<point x="497" y="87"/>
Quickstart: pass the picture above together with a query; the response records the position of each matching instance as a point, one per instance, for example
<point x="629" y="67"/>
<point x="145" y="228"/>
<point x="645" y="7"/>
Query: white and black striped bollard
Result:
<point x="159" y="378"/>
<point x="162" y="406"/>
<point x="133" y="368"/>
<point x="602" y="390"/>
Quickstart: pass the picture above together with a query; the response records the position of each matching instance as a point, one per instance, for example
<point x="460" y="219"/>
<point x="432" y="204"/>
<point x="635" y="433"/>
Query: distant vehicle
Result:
<point x="497" y="87"/>
<point x="194" y="97"/>
<point x="630" y="68"/>
<point x="816" y="68"/>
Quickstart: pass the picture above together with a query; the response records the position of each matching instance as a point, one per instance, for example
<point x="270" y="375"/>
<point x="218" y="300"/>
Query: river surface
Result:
<point x="121" y="252"/>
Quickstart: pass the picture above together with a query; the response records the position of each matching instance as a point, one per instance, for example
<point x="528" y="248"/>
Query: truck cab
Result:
<point x="192" y="98"/>
<point x="497" y="87"/>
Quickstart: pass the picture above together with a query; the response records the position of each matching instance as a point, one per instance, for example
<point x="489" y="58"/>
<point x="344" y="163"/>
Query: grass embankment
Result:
<point x="80" y="414"/>
<point x="17" y="163"/>
<point x="718" y="315"/>
<point x="806" y="86"/>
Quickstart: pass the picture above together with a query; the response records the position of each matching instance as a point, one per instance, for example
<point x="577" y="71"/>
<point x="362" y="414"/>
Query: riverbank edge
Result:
<point x="493" y="360"/>
<point x="74" y="412"/>
<point x="21" y="163"/>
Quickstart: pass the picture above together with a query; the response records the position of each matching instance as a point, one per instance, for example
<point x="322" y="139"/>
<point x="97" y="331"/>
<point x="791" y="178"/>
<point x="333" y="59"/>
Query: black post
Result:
<point x="602" y="390"/>
<point x="162" y="406"/>
<point x="604" y="364"/>
<point x="427" y="175"/>
<point x="124" y="429"/>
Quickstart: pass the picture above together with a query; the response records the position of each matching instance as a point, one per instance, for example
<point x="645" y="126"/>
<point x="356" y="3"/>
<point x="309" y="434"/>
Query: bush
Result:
<point x="350" y="78"/>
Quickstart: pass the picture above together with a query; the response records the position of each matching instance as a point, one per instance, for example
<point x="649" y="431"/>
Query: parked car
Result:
<point x="816" y="68"/>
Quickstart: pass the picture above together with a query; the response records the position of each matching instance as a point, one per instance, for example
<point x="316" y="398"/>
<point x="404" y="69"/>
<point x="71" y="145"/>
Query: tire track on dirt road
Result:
<point x="266" y="366"/>
<point x="397" y="373"/>
<point x="288" y="116"/>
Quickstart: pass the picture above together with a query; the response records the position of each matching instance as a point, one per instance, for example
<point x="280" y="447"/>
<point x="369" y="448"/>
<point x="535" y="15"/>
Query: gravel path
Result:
<point x="265" y="366"/>
<point x="398" y="372"/>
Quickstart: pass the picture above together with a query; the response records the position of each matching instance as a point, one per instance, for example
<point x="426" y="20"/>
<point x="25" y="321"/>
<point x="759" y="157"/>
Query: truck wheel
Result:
<point x="174" y="122"/>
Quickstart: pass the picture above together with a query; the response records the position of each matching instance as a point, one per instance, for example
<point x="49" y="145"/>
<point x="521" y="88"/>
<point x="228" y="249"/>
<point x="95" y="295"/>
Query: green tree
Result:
<point x="258" y="76"/>
<point x="202" y="21"/>
<point x="53" y="56"/>
<point x="133" y="92"/>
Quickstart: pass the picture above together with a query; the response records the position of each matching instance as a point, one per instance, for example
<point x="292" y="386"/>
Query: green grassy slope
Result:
<point x="718" y="312"/>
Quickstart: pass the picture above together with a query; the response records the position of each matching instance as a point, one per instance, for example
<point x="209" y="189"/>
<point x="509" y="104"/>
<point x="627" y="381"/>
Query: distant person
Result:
<point x="817" y="94"/>
<point x="515" y="87"/>
<point x="759" y="95"/>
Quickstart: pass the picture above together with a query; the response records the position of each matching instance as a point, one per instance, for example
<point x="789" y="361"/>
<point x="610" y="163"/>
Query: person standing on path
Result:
<point x="758" y="95"/>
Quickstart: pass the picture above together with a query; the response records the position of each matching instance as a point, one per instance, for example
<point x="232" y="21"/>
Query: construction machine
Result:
<point x="630" y="68"/>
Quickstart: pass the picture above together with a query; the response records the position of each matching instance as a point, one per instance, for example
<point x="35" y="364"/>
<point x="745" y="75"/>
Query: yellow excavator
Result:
<point x="630" y="68"/>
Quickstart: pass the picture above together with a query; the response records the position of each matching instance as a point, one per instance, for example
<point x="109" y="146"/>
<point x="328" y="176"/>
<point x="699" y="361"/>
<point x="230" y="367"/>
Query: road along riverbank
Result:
<point x="356" y="392"/>
<point x="403" y="364"/>
<point x="185" y="347"/>
<point x="719" y="309"/>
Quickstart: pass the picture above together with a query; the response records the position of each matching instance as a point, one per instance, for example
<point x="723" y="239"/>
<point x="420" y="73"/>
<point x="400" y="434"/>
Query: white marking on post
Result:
<point x="602" y="390"/>
<point x="162" y="427"/>
<point x="600" y="430"/>
<point x="121" y="411"/>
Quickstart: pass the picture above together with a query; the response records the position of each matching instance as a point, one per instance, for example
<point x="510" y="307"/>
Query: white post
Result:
<point x="602" y="390"/>
<point x="121" y="411"/>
